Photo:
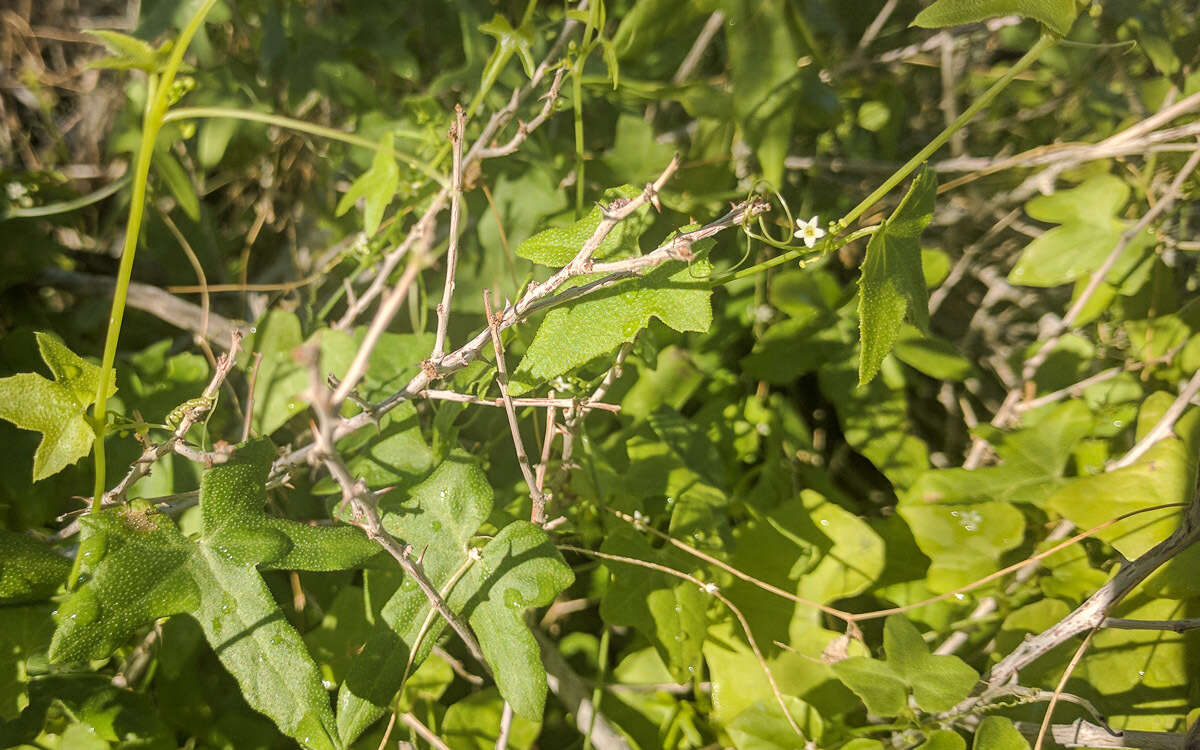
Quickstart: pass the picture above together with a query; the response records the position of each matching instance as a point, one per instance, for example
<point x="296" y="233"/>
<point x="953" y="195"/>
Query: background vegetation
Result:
<point x="723" y="373"/>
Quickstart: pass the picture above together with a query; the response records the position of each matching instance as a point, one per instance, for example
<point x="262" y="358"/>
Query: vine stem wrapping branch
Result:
<point x="142" y="466"/>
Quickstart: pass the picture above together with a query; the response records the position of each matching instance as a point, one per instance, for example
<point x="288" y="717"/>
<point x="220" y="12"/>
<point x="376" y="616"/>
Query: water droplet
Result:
<point x="92" y="549"/>
<point x="824" y="521"/>
<point x="968" y="519"/>
<point x="678" y="608"/>
<point x="680" y="637"/>
<point x="513" y="599"/>
<point x="1141" y="673"/>
<point x="1118" y="423"/>
<point x="82" y="609"/>
<point x="692" y="668"/>
<point x="328" y="684"/>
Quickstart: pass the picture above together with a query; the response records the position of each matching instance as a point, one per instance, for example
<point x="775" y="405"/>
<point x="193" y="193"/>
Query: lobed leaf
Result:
<point x="571" y="335"/>
<point x="55" y="408"/>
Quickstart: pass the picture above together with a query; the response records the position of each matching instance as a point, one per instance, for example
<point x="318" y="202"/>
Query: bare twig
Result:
<point x="1058" y="689"/>
<point x="362" y="501"/>
<point x="713" y="591"/>
<point x="1092" y="613"/>
<point x="413" y="723"/>
<point x="538" y="515"/>
<point x="506" y="719"/>
<point x="552" y="403"/>
<point x="387" y="311"/>
<point x="250" y="396"/>
<point x="517" y="311"/>
<point x="443" y="308"/>
<point x="166" y="307"/>
<point x="1081" y="733"/>
<point x="1175" y="626"/>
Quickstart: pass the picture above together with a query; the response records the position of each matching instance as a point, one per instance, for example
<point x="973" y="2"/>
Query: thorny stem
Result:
<point x="538" y="515"/>
<point x="516" y="312"/>
<point x="456" y="194"/>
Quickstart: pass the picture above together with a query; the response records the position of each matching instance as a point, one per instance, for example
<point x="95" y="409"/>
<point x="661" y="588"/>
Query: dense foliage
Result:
<point x="629" y="374"/>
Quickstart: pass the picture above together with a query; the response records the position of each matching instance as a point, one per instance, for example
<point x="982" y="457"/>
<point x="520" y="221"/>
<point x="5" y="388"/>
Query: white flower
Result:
<point x="809" y="231"/>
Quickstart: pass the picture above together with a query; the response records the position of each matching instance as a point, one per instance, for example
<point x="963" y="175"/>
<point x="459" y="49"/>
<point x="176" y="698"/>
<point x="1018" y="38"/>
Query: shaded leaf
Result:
<point x="135" y="566"/>
<point x="377" y="186"/>
<point x="29" y="570"/>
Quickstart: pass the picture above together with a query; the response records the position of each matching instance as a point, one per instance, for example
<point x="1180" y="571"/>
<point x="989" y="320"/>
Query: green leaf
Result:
<point x="1032" y="464"/>
<point x="178" y="182"/>
<point x="214" y="137"/>
<point x="377" y="185"/>
<point x="763" y="726"/>
<point x="1165" y="474"/>
<point x="1055" y="15"/>
<point x="232" y="500"/>
<point x="943" y="739"/>
<point x="938" y="682"/>
<point x="131" y="53"/>
<point x="556" y="246"/>
<point x="508" y="41"/>
<point x="964" y="542"/>
<point x="29" y="570"/>
<point x="892" y="284"/>
<point x="519" y="568"/>
<point x="762" y="66"/>
<point x="998" y="733"/>
<point x="571" y="335"/>
<point x="56" y="408"/>
<point x="875" y="420"/>
<point x="473" y="723"/>
<point x="86" y="712"/>
<point x="135" y="566"/>
<point x="27" y="630"/>
<point x="281" y="382"/>
<point x="636" y="155"/>
<point x="933" y="356"/>
<point x="875" y="683"/>
<point x="670" y="613"/>
<point x="1088" y="231"/>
